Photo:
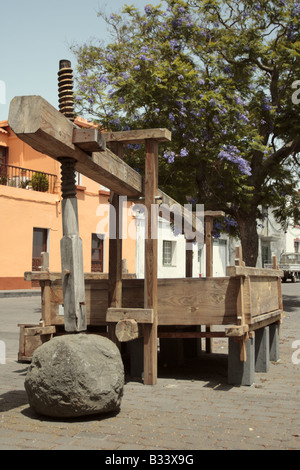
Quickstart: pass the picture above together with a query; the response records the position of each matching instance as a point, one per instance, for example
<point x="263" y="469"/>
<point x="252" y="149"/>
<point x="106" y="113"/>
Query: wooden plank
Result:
<point x="90" y="140"/>
<point x="248" y="271"/>
<point x="191" y="334"/>
<point x="203" y="301"/>
<point x="48" y="131"/>
<point x="266" y="319"/>
<point x="236" y="330"/>
<point x="214" y="214"/>
<point x="39" y="330"/>
<point x="194" y="301"/>
<point x="264" y="295"/>
<point x="150" y="285"/>
<point x="145" y="315"/>
<point x="138" y="136"/>
<point x="56" y="276"/>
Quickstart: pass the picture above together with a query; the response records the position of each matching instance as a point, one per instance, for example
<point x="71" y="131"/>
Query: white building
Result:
<point x="172" y="252"/>
<point x="274" y="240"/>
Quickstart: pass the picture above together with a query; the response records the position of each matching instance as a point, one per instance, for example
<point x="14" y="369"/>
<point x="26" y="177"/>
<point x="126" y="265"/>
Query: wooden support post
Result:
<point x="275" y="266"/>
<point x="240" y="305"/>
<point x="150" y="288"/>
<point x="45" y="291"/>
<point x="188" y="261"/>
<point x="115" y="250"/>
<point x="209" y="267"/>
<point x="209" y="245"/>
<point x="71" y="253"/>
<point x="71" y="243"/>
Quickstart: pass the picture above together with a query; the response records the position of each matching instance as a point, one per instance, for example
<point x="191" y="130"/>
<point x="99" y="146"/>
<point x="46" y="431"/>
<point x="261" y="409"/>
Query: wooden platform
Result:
<point x="243" y="301"/>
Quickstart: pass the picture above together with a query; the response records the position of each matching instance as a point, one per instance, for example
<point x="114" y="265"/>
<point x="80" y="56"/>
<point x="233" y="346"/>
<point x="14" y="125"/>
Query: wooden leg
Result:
<point x="150" y="289"/>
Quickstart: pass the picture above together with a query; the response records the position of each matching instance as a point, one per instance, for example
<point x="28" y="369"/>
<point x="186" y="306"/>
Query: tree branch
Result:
<point x="281" y="154"/>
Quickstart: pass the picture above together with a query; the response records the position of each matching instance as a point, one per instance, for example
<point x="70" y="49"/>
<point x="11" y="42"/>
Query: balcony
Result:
<point x="24" y="178"/>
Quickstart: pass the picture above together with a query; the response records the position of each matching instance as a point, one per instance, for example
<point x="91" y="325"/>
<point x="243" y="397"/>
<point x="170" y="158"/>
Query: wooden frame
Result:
<point x="244" y="300"/>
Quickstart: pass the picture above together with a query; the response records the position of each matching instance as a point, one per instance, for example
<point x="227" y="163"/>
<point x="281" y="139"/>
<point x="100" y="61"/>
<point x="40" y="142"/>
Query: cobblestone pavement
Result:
<point x="192" y="408"/>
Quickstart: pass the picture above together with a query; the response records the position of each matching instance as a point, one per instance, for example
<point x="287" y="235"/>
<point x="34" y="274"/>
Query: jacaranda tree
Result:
<point x="222" y="76"/>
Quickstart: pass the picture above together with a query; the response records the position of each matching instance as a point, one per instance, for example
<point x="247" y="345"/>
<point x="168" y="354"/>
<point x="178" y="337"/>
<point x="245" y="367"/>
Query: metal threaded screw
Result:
<point x="65" y="89"/>
<point x="68" y="186"/>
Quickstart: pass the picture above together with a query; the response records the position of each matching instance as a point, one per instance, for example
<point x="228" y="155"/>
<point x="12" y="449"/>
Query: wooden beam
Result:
<point x="138" y="136"/>
<point x="140" y="315"/>
<point x="191" y="334"/>
<point x="57" y="276"/>
<point x="45" y="129"/>
<point x="236" y="271"/>
<point x="90" y="140"/>
<point x="236" y="330"/>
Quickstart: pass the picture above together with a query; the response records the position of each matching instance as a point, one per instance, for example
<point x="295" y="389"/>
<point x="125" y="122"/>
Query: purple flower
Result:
<point x="201" y="81"/>
<point x="171" y="117"/>
<point x="170" y="156"/>
<point x="184" y="152"/>
<point x="103" y="79"/>
<point x="238" y="100"/>
<point x="121" y="100"/>
<point x="148" y="9"/>
<point x="180" y="77"/>
<point x="232" y="154"/>
<point x="174" y="44"/>
<point x="125" y="75"/>
<point x="137" y="67"/>
<point x="244" y="118"/>
<point x="110" y="57"/>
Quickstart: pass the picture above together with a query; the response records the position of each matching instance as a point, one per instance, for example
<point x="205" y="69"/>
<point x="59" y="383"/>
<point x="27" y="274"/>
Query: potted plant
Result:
<point x="40" y="182"/>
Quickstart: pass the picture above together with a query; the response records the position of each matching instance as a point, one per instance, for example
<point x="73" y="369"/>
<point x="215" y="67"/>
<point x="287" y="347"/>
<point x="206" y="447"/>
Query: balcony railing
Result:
<point x="24" y="178"/>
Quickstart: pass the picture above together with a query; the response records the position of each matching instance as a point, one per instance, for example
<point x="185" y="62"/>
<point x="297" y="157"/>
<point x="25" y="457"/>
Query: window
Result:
<point x="169" y="253"/>
<point x="97" y="252"/>
<point x="3" y="155"/>
<point x="77" y="178"/>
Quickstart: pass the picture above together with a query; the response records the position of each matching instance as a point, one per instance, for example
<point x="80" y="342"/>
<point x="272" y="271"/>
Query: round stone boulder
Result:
<point x="75" y="375"/>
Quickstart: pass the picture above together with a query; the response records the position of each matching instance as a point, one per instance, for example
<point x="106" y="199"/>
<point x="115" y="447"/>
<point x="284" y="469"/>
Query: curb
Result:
<point x="19" y="293"/>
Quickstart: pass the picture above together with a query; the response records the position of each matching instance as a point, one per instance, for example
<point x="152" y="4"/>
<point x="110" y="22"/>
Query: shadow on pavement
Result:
<point x="290" y="303"/>
<point x="210" y="368"/>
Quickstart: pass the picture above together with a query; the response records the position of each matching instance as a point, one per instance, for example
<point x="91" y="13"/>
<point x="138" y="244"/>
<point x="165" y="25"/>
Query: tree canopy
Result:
<point x="222" y="76"/>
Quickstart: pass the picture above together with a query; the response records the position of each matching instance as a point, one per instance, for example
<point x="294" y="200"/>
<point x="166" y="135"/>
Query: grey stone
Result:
<point x="75" y="375"/>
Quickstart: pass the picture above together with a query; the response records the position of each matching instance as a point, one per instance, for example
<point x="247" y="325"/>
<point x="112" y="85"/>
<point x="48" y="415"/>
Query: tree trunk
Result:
<point x="249" y="238"/>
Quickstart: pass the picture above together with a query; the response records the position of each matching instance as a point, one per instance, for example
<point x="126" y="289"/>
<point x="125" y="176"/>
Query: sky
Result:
<point x="37" y="34"/>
